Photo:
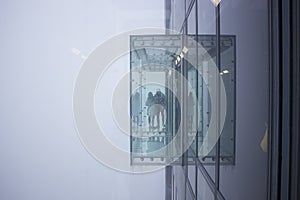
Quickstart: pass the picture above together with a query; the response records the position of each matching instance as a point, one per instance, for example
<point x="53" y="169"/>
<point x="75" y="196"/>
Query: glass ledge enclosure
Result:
<point x="170" y="104"/>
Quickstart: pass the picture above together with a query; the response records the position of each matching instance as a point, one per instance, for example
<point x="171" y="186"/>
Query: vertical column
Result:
<point x="218" y="63"/>
<point x="168" y="182"/>
<point x="197" y="103"/>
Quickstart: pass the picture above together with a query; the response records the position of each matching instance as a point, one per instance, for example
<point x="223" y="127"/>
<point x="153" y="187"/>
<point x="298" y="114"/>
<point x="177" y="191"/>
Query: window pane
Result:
<point x="248" y="21"/>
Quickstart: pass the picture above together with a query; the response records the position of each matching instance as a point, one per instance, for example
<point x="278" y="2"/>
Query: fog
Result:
<point x="43" y="45"/>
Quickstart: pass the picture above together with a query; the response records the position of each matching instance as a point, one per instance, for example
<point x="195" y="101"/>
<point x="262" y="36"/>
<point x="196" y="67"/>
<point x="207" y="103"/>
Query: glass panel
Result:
<point x="248" y="177"/>
<point x="188" y="3"/>
<point x="191" y="101"/>
<point x="189" y="194"/>
<point x="192" y="80"/>
<point x="204" y="191"/>
<point x="227" y="138"/>
<point x="192" y="22"/>
<point x="179" y="184"/>
<point x="206" y="18"/>
<point x="177" y="15"/>
<point x="206" y="31"/>
<point x="191" y="113"/>
<point x="156" y="85"/>
<point x="206" y="63"/>
<point x="192" y="176"/>
<point x="227" y="73"/>
<point x="155" y="94"/>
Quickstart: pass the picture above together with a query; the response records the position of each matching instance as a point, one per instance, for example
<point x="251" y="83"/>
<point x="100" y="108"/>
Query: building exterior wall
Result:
<point x="248" y="21"/>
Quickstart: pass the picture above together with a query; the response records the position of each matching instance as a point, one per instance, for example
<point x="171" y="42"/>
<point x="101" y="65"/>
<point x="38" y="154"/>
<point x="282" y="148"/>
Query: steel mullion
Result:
<point x="218" y="63"/>
<point x="197" y="103"/>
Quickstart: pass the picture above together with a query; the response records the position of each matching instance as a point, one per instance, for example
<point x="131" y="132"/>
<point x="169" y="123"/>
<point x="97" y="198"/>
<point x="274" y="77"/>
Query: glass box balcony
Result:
<point x="170" y="99"/>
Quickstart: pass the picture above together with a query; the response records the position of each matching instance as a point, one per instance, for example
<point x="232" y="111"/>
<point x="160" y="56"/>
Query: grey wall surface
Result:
<point x="43" y="44"/>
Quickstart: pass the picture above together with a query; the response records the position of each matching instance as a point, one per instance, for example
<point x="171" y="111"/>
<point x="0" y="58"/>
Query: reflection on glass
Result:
<point x="152" y="60"/>
<point x="204" y="191"/>
<point x="192" y="177"/>
<point x="227" y="72"/>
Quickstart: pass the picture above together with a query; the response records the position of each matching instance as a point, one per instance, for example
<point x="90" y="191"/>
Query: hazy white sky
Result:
<point x="43" y="44"/>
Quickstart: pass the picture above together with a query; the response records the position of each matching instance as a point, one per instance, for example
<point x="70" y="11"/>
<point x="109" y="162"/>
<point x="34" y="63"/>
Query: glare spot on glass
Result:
<point x="185" y="50"/>
<point x="216" y="2"/>
<point x="225" y="71"/>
